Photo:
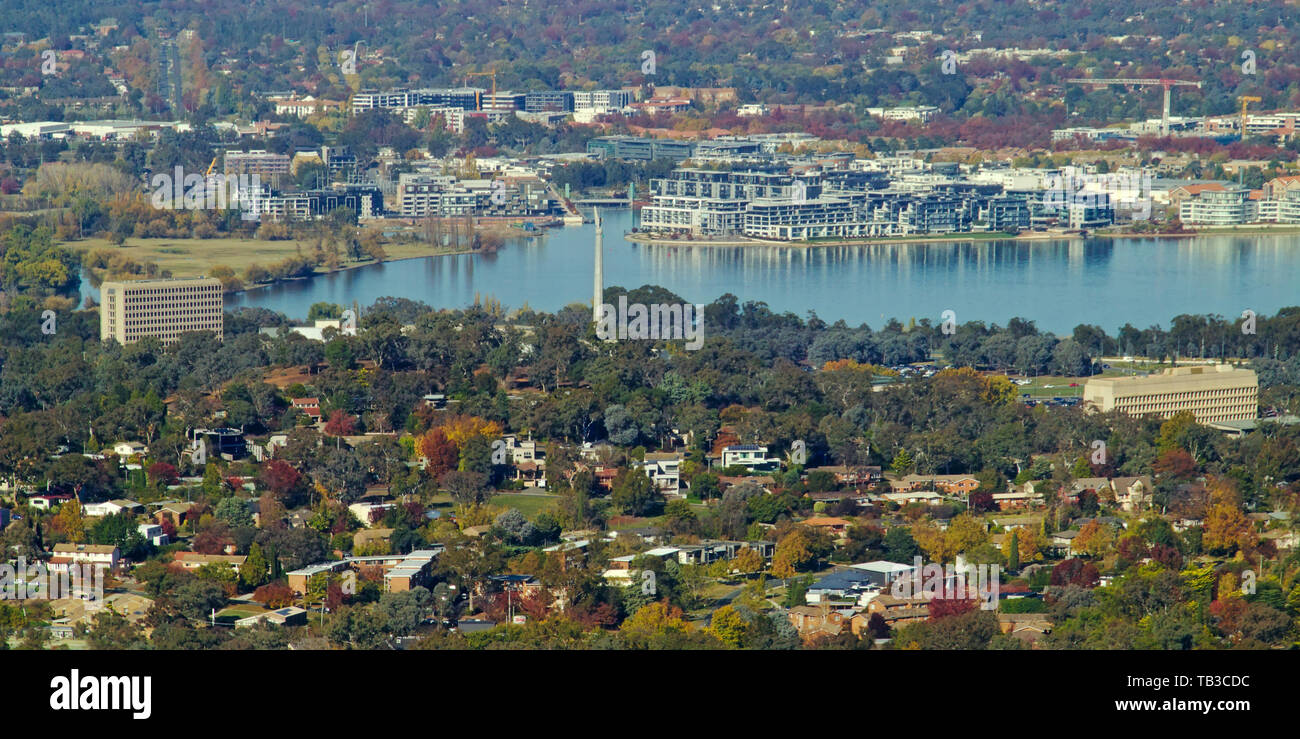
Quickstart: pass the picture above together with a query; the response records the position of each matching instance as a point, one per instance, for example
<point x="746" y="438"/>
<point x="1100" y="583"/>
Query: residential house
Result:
<point x="961" y="485"/>
<point x="112" y="507"/>
<point x="838" y="528"/>
<point x="177" y="511"/>
<point x="664" y="469"/>
<point x="752" y="457"/>
<point x="814" y="622"/>
<point x="287" y="616"/>
<point x="129" y="448"/>
<point x="896" y="611"/>
<point x="1132" y="493"/>
<point x="1063" y="541"/>
<point x="851" y="475"/>
<point x="194" y="560"/>
<point x="309" y="406"/>
<point x="68" y="555"/>
<point x="916" y="496"/>
<point x="1027" y="627"/>
<point x="153" y="533"/>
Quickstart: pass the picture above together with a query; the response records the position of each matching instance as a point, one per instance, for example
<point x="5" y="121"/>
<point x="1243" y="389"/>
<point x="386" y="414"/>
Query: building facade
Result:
<point x="163" y="309"/>
<point x="1212" y="394"/>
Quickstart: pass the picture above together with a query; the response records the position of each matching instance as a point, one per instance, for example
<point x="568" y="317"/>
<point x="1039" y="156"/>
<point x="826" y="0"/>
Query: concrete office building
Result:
<point x="1212" y="394"/>
<point x="163" y="309"/>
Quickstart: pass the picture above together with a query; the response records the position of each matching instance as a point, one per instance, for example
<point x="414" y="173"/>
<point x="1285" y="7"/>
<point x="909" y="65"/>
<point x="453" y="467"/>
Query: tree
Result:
<point x="729" y="627"/>
<point x="1227" y="529"/>
<point x="256" y="568"/>
<point x="794" y="553"/>
<point x="234" y="511"/>
<point x="634" y="493"/>
<point x="902" y="463"/>
<point x="1094" y="539"/>
<point x="747" y="561"/>
<point x="69" y="523"/>
<point x="439" y="452"/>
<point x="1013" y="551"/>
<point x="466" y="488"/>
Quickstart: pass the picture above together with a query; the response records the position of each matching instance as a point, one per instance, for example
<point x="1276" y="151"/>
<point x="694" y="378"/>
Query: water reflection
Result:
<point x="1059" y="284"/>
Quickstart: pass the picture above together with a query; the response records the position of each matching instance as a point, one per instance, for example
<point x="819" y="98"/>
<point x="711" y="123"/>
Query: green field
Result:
<point x="195" y="257"/>
<point x="528" y="504"/>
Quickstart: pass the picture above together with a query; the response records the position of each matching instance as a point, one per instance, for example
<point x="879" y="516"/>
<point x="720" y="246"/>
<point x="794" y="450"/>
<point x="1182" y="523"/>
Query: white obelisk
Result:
<point x="598" y="288"/>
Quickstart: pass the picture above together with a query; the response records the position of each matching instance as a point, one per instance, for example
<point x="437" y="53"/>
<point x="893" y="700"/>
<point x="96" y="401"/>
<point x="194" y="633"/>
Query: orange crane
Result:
<point x="478" y="101"/>
<point x="1165" y="83"/>
<point x="1246" y="100"/>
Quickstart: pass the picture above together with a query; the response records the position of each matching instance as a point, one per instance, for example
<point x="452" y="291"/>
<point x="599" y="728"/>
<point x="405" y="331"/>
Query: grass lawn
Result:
<point x="232" y="614"/>
<point x="195" y="257"/>
<point x="529" y="505"/>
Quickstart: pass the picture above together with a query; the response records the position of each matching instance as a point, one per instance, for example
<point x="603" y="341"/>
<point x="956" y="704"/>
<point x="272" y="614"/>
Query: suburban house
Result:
<point x="838" y="528"/>
<point x="111" y="507"/>
<point x="896" y="611"/>
<point x="1132" y="493"/>
<point x="813" y="622"/>
<point x="664" y="469"/>
<point x="46" y="501"/>
<point x="917" y="496"/>
<point x="962" y="485"/>
<point x="752" y="457"/>
<point x="68" y="555"/>
<point x="194" y="560"/>
<point x="287" y="616"/>
<point x="309" y="406"/>
<point x="178" y="512"/>
<point x="1064" y="540"/>
<point x="853" y="475"/>
<point x="523" y="450"/>
<point x="1027" y="627"/>
<point x="129" y="448"/>
<point x="153" y="533"/>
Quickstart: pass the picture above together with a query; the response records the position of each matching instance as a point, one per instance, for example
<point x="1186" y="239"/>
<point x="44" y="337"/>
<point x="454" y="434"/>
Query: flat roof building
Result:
<point x="1213" y="394"/>
<point x="163" y="309"/>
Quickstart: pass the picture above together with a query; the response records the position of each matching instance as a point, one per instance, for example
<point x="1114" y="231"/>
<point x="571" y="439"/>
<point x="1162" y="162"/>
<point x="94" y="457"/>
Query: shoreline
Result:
<point x="641" y="239"/>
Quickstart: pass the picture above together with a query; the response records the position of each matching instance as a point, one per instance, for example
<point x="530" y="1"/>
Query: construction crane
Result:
<point x="214" y="163"/>
<point x="1246" y="100"/>
<point x="1165" y="83"/>
<point x="478" y="101"/>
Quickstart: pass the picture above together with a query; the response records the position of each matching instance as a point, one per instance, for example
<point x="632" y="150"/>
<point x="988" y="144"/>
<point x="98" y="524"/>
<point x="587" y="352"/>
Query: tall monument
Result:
<point x="598" y="289"/>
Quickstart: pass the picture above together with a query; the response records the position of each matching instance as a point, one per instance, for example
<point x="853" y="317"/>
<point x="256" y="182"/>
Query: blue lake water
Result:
<point x="1058" y="284"/>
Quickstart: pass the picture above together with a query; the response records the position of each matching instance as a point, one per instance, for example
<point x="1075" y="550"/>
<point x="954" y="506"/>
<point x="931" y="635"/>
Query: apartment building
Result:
<point x="163" y="309"/>
<point x="1213" y="394"/>
<point x="1222" y="207"/>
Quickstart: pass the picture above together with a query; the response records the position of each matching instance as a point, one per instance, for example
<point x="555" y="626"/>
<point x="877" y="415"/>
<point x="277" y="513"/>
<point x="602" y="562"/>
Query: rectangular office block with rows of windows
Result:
<point x="163" y="309"/>
<point x="1212" y="394"/>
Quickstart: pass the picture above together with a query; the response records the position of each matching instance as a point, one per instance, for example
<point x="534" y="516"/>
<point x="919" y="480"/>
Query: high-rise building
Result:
<point x="163" y="309"/>
<point x="1212" y="394"/>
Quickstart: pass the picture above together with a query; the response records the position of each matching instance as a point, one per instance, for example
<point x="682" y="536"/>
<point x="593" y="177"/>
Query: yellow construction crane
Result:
<point x="214" y="163"/>
<point x="1246" y="100"/>
<point x="478" y="101"/>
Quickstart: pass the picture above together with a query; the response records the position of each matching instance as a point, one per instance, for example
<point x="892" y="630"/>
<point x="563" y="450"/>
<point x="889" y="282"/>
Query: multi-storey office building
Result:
<point x="601" y="99"/>
<point x="465" y="98"/>
<point x="258" y="162"/>
<point x="634" y="147"/>
<point x="1212" y="394"/>
<point x="548" y="101"/>
<point x="162" y="309"/>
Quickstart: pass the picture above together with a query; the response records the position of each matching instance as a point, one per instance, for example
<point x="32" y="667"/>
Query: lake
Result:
<point x="1058" y="284"/>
